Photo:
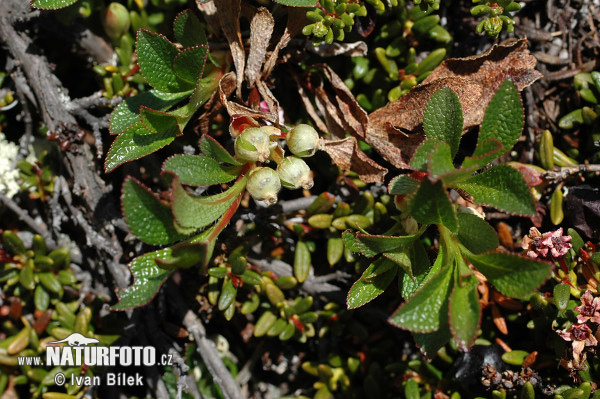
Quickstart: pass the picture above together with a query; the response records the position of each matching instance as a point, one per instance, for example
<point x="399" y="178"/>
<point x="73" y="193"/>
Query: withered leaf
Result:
<point x="339" y="107"/>
<point x="261" y="29"/>
<point x="225" y="89"/>
<point x="295" y="22"/>
<point x="347" y="155"/>
<point x="396" y="129"/>
<point x="228" y="12"/>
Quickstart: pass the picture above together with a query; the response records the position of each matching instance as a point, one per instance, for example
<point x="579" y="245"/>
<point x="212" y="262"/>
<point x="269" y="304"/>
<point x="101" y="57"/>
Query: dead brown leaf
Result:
<point x="395" y="131"/>
<point x="261" y="29"/>
<point x="347" y="155"/>
<point x="226" y="85"/>
<point x="228" y="12"/>
<point x="296" y="21"/>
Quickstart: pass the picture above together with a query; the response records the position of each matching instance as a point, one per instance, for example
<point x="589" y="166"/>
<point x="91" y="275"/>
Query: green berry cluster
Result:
<point x="255" y="143"/>
<point x="497" y="16"/>
<point x="332" y="19"/>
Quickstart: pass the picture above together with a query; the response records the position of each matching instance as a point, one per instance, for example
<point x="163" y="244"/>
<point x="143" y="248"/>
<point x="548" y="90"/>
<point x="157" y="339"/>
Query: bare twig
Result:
<point x="206" y="347"/>
<point x="560" y="174"/>
<point x="24" y="216"/>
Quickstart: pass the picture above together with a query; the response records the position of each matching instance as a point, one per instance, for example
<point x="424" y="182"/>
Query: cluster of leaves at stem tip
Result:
<point x="497" y="16"/>
<point x="442" y="301"/>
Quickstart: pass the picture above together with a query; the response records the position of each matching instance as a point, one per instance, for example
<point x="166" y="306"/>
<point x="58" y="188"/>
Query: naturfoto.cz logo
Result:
<point x="80" y="351"/>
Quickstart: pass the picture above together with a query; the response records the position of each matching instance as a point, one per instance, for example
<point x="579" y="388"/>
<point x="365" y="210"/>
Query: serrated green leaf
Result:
<point x="421" y="270"/>
<point x="402" y="185"/>
<point x="440" y="161"/>
<point x="512" y="275"/>
<point x="186" y="255"/>
<point x="127" y="113"/>
<point x="431" y="205"/>
<point x="155" y="55"/>
<point x="476" y="234"/>
<point x="203" y="91"/>
<point x="421" y="157"/>
<point x="297" y="3"/>
<point x="147" y="279"/>
<point x="148" y="218"/>
<point x="212" y="149"/>
<point x="503" y="188"/>
<point x="427" y="310"/>
<point x="465" y="312"/>
<point x="371" y="285"/>
<point x="52" y="4"/>
<point x="136" y="142"/>
<point x="159" y="121"/>
<point x="199" y="212"/>
<point x="503" y="120"/>
<point x="349" y="238"/>
<point x="371" y="245"/>
<point x="402" y="258"/>
<point x="431" y="343"/>
<point x="188" y="30"/>
<point x="443" y="119"/>
<point x="189" y="64"/>
<point x="488" y="150"/>
<point x="196" y="170"/>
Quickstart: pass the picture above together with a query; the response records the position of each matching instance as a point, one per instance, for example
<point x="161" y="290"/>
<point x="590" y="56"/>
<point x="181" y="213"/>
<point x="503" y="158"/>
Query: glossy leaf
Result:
<point x="147" y="217"/>
<point x="136" y="142"/>
<point x="503" y="188"/>
<point x="159" y="121"/>
<point x="297" y="3"/>
<point x="199" y="212"/>
<point x="431" y="343"/>
<point x="402" y="185"/>
<point x="147" y="279"/>
<point x="420" y="268"/>
<point x="465" y="311"/>
<point x="212" y="149"/>
<point x="503" y="120"/>
<point x="512" y="275"/>
<point x="488" y="150"/>
<point x="440" y="161"/>
<point x="186" y="255"/>
<point x="189" y="64"/>
<point x="401" y="257"/>
<point x="197" y="170"/>
<point x="427" y="309"/>
<point x="372" y="283"/>
<point x="443" y="119"/>
<point x="52" y="4"/>
<point x="155" y="57"/>
<point x="476" y="234"/>
<point x="127" y="113"/>
<point x="431" y="205"/>
<point x="371" y="245"/>
<point x="421" y="157"/>
<point x="188" y="30"/>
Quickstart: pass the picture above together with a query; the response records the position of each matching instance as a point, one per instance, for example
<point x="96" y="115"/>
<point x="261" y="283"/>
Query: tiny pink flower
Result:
<point x="557" y="243"/>
<point x="532" y="243"/>
<point x="589" y="309"/>
<point x="581" y="336"/>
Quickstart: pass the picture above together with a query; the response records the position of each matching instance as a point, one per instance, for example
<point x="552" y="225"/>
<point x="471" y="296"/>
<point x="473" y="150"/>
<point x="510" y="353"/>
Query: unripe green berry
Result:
<point x="294" y="173"/>
<point x="264" y="184"/>
<point x="115" y="20"/>
<point x="253" y="145"/>
<point x="303" y="141"/>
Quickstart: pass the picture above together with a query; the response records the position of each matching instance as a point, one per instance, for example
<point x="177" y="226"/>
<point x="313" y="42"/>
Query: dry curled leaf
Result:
<point x="228" y="12"/>
<point x="295" y="22"/>
<point x="261" y="29"/>
<point x="347" y="155"/>
<point x="395" y="130"/>
<point x="226" y="85"/>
